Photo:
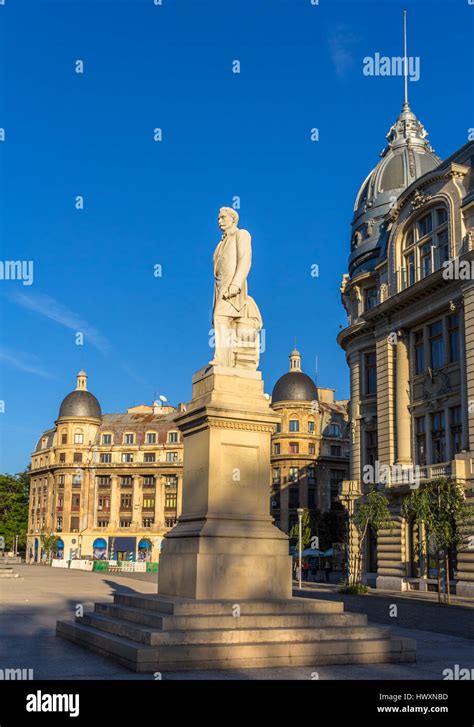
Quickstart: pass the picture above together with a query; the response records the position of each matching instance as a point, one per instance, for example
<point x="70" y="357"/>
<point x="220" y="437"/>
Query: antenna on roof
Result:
<point x="405" y="57"/>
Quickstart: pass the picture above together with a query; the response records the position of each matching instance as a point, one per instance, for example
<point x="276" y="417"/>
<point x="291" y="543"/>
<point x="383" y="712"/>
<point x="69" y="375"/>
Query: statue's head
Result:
<point x="227" y="219"/>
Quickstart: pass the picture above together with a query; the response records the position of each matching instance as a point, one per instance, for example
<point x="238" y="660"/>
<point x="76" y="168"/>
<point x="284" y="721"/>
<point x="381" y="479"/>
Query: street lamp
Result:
<point x="300" y="512"/>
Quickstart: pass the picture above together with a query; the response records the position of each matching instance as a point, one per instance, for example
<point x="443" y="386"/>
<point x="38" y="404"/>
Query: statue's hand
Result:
<point x="231" y="292"/>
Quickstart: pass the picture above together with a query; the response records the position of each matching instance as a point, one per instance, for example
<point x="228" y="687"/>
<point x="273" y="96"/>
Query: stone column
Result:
<point x="403" y="419"/>
<point x="385" y="401"/>
<point x="114" y="502"/>
<point x="225" y="545"/>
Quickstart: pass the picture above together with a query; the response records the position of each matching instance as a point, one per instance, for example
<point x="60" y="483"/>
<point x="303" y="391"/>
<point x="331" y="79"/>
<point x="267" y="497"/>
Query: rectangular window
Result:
<point x="151" y="438"/>
<point x="410" y="268"/>
<point x="294" y="425"/>
<point x="126" y="480"/>
<point x="173" y="437"/>
<point x="420" y="441"/>
<point x="148" y="522"/>
<point x="171" y="456"/>
<point x="128" y="438"/>
<point x="335" y="483"/>
<point x="171" y="500"/>
<point x="103" y="503"/>
<point x="294" y="448"/>
<point x="312" y="449"/>
<point x="171" y="480"/>
<point x="149" y="457"/>
<point x="63" y="438"/>
<point x="106" y="439"/>
<point x="311" y="476"/>
<point x="276" y="475"/>
<point x="370" y="373"/>
<point x="61" y="480"/>
<point x="78" y="438"/>
<point x="453" y="338"/>
<point x="336" y="450"/>
<point x="425" y="259"/>
<point x="425" y="225"/>
<point x="125" y="523"/>
<point x="278" y="427"/>
<point x="438" y="437"/>
<point x="334" y="430"/>
<point x="455" y="421"/>
<point x="102" y="523"/>
<point x="370" y="298"/>
<point x="125" y="502"/>
<point x="441" y="216"/>
<point x="371" y="447"/>
<point x="62" y="456"/>
<point x="148" y="480"/>
<point x="77" y="456"/>
<point x="436" y="345"/>
<point x="127" y="457"/>
<point x="103" y="480"/>
<point x="310" y="427"/>
<point x="59" y="523"/>
<point x="74" y="524"/>
<point x="75" y="502"/>
<point x="148" y="503"/>
<point x="419" y="352"/>
<point x="276" y="448"/>
<point x="105" y="457"/>
<point x="442" y="247"/>
<point x="294" y="474"/>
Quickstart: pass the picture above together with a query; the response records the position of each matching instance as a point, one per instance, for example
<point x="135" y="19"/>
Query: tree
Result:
<point x="49" y="542"/>
<point x="441" y="507"/>
<point x="14" y="493"/>
<point x="307" y="529"/>
<point x="373" y="511"/>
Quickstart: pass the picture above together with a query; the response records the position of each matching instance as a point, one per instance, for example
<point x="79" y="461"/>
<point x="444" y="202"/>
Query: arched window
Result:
<point x="426" y="246"/>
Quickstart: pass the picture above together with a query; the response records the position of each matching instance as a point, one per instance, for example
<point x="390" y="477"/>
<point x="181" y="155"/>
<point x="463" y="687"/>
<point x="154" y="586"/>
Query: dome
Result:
<point x="407" y="157"/>
<point x="80" y="403"/>
<point x="294" y="386"/>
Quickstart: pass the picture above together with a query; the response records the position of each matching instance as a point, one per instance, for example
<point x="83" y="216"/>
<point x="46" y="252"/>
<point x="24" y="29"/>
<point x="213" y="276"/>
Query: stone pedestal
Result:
<point x="224" y="545"/>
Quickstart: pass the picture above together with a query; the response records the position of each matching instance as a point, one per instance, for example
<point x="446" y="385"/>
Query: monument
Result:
<point x="224" y="577"/>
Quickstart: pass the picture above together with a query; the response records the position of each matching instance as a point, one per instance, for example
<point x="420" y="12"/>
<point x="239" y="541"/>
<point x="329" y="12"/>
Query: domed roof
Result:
<point x="80" y="403"/>
<point x="294" y="385"/>
<point x="407" y="157"/>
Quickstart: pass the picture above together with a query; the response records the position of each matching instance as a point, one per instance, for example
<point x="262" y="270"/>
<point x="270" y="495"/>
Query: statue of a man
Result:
<point x="236" y="318"/>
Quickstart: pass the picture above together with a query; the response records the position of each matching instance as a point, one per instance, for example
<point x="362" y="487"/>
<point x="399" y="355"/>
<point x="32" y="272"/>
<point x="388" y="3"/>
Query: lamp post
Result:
<point x="300" y="542"/>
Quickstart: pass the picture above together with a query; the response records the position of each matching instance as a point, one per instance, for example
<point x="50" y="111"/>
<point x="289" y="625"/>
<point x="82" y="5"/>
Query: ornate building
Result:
<point x="108" y="485"/>
<point x="310" y="449"/>
<point x="407" y="343"/>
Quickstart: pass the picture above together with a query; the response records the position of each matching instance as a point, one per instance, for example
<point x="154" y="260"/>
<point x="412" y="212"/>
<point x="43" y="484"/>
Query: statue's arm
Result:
<point x="244" y="258"/>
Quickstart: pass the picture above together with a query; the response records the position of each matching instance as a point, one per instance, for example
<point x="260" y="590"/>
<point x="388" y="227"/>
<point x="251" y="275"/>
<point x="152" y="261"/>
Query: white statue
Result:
<point x="236" y="317"/>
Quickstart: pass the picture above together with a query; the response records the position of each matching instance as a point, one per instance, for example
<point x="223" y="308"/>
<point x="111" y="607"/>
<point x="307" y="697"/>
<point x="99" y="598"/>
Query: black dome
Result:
<point x="80" y="404"/>
<point x="294" y="386"/>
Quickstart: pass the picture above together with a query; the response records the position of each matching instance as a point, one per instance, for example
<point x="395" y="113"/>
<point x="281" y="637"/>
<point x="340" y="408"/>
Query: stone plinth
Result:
<point x="224" y="545"/>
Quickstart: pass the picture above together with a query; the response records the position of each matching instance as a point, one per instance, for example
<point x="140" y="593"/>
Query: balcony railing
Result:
<point x="434" y="471"/>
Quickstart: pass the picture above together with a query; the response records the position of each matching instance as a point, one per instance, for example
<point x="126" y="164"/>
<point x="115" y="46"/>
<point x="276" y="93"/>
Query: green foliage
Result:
<point x="328" y="526"/>
<point x="49" y="542"/>
<point x="14" y="492"/>
<point x="306" y="528"/>
<point x="442" y="507"/>
<point x="374" y="512"/>
<point x="356" y="589"/>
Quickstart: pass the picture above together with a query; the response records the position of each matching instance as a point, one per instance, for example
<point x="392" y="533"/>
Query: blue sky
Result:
<point x="152" y="203"/>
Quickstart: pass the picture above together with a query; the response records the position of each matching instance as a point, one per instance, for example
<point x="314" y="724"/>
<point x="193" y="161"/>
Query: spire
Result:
<point x="81" y="381"/>
<point x="406" y="105"/>
<point x="295" y="361"/>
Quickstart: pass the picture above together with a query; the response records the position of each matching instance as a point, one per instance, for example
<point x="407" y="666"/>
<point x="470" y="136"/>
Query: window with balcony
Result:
<point x="455" y="425"/>
<point x="436" y="345"/>
<point x="453" y="338"/>
<point x="438" y="437"/>
<point x="419" y="352"/>
<point x="420" y="440"/>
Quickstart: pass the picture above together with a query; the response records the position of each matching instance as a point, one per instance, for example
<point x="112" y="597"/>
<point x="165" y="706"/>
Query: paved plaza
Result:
<point x="32" y="603"/>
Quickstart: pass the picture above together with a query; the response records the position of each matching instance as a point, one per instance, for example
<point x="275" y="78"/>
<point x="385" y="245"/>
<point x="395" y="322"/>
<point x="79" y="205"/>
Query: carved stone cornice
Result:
<point x="242" y="426"/>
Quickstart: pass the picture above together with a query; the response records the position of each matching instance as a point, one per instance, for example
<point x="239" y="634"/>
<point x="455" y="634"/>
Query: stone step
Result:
<point x="8" y="574"/>
<point x="236" y="635"/>
<point x="142" y="658"/>
<point x="185" y="607"/>
<point x="255" y="620"/>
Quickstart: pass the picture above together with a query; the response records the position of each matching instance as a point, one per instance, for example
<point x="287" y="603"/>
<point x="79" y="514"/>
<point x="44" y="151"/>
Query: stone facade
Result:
<point x="98" y="477"/>
<point x="409" y="340"/>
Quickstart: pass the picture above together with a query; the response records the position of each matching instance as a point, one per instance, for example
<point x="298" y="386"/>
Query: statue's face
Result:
<point x="225" y="221"/>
